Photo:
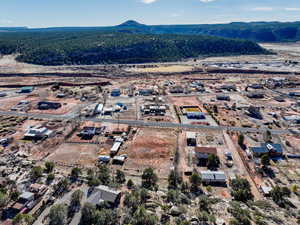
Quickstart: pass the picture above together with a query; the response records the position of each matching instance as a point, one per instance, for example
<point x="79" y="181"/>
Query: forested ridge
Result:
<point x="98" y="47"/>
<point x="254" y="31"/>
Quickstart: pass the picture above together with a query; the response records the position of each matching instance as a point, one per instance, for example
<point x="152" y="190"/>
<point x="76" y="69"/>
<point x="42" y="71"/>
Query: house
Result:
<point x="26" y="90"/>
<point x="38" y="188"/>
<point x="195" y="115"/>
<point x="108" y="111"/>
<point x="87" y="132"/>
<point x="228" y="87"/>
<point x="37" y="133"/>
<point x="119" y="160"/>
<point x="98" y="109"/>
<point x="24" y="200"/>
<point x="115" y="92"/>
<point x="200" y="89"/>
<point x="279" y="99"/>
<point x="294" y="94"/>
<point x="255" y="95"/>
<point x="146" y="92"/>
<point x="273" y="150"/>
<point x="256" y="86"/>
<point x="104" y="158"/>
<point x="119" y="107"/>
<point x="176" y="90"/>
<point x="202" y="154"/>
<point x="43" y="105"/>
<point x="60" y="95"/>
<point x="153" y="109"/>
<point x="254" y="112"/>
<point x="223" y="97"/>
<point x="191" y="139"/>
<point x="213" y="177"/>
<point x="104" y="194"/>
<point x="292" y="119"/>
<point x="5" y="141"/>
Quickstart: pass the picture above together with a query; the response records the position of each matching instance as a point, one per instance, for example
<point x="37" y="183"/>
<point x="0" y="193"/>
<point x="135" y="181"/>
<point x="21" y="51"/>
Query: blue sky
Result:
<point x="45" y="13"/>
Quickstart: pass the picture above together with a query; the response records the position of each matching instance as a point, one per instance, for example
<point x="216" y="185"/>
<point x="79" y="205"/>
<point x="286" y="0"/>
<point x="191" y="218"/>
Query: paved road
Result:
<point x="77" y="216"/>
<point x="45" y="213"/>
<point x="140" y="123"/>
<point x="66" y="200"/>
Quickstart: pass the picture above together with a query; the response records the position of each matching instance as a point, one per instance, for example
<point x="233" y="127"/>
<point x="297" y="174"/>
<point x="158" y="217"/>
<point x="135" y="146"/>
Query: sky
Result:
<point x="58" y="13"/>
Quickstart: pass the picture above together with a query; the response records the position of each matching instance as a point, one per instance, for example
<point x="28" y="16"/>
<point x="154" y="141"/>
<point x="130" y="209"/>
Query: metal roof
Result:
<point x="190" y="135"/>
<point x="27" y="195"/>
<point x="263" y="149"/>
<point x="213" y="175"/>
<point x="103" y="193"/>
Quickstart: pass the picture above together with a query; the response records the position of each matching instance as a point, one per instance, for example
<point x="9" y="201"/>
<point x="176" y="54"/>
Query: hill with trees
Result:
<point x="254" y="31"/>
<point x="68" y="47"/>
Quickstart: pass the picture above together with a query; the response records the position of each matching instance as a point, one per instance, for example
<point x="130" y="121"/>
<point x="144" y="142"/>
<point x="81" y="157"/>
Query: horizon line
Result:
<point x="87" y="26"/>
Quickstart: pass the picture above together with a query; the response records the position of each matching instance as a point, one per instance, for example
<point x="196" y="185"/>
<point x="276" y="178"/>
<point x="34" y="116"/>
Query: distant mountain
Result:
<point x="254" y="31"/>
<point x="131" y="23"/>
<point x="10" y="29"/>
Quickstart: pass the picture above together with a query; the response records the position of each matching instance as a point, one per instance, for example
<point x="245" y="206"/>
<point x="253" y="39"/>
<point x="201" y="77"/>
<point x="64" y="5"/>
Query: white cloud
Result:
<point x="264" y="9"/>
<point x="292" y="9"/>
<point x="148" y="1"/>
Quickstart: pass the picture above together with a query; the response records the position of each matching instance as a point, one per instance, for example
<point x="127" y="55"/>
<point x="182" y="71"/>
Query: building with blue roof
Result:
<point x="273" y="150"/>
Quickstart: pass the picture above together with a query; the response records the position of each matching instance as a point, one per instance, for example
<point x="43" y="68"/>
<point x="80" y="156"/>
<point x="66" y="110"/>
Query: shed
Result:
<point x="191" y="139"/>
<point x="115" y="148"/>
<point x="115" y="92"/>
<point x="26" y="89"/>
<point x="223" y="97"/>
<point x="119" y="159"/>
<point x="104" y="158"/>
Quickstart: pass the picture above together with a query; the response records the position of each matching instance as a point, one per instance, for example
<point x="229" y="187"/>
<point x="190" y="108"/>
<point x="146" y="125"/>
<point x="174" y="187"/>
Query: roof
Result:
<point x="206" y="150"/>
<point x="195" y="114"/>
<point x="119" y="158"/>
<point x="266" y="190"/>
<point x="263" y="148"/>
<point x="116" y="147"/>
<point x="18" y="206"/>
<point x="276" y="147"/>
<point x="36" y="187"/>
<point x="190" y="135"/>
<point x="27" y="195"/>
<point x="33" y="131"/>
<point x="291" y="118"/>
<point x="27" y="88"/>
<point x="213" y="175"/>
<point x="103" y="193"/>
